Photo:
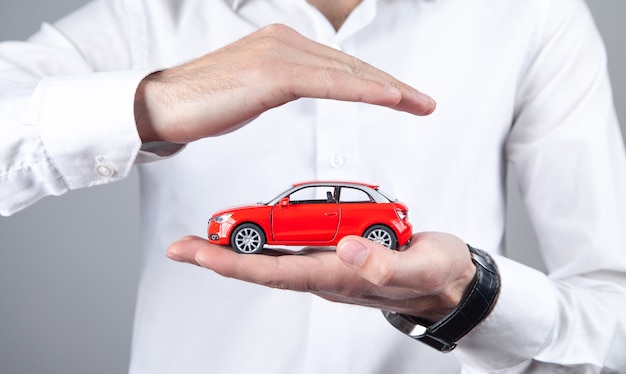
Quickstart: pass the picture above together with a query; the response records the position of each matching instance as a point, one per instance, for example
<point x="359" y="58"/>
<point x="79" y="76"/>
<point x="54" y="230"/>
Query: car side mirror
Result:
<point x="284" y="202"/>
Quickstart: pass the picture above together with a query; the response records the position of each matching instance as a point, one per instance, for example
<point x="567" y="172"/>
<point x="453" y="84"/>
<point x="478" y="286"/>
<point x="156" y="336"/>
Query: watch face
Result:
<point x="418" y="330"/>
<point x="402" y="323"/>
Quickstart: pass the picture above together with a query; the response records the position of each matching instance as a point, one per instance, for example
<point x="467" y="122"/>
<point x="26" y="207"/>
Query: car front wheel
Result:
<point x="382" y="235"/>
<point x="248" y="238"/>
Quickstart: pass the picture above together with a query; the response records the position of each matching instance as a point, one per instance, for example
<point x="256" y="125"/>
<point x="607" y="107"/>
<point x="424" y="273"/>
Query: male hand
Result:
<point x="223" y="90"/>
<point x="428" y="279"/>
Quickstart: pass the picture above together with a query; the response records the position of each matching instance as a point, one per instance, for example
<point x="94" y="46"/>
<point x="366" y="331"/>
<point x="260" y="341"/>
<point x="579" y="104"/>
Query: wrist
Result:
<point x="143" y="117"/>
<point x="451" y="297"/>
<point x="476" y="304"/>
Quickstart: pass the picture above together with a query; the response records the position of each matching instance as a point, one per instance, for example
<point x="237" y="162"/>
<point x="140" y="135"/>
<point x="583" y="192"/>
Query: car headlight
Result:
<point x="222" y="218"/>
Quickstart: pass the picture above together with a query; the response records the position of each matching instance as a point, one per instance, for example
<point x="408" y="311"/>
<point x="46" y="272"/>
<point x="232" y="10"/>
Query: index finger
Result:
<point x="291" y="271"/>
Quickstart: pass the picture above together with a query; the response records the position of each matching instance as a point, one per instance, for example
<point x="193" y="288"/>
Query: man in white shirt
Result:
<point x="515" y="82"/>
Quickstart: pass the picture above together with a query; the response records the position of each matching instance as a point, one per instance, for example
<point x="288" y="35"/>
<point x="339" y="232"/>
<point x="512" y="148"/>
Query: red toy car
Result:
<point x="314" y="214"/>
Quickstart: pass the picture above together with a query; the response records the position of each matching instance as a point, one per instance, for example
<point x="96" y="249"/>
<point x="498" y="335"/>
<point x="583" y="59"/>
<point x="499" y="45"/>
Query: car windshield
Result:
<point x="275" y="199"/>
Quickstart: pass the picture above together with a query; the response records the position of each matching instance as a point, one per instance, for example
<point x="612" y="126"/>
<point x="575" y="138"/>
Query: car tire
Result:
<point x="382" y="234"/>
<point x="247" y="238"/>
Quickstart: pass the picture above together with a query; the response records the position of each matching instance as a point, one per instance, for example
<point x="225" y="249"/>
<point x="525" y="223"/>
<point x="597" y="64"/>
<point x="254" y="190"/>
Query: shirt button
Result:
<point x="337" y="161"/>
<point x="105" y="170"/>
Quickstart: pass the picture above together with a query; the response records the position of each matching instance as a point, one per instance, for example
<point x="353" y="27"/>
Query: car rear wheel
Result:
<point x="248" y="238"/>
<point x="382" y="235"/>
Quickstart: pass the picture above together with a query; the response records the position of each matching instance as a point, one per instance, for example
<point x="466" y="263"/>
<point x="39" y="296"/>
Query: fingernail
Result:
<point x="173" y="254"/>
<point x="429" y="101"/>
<point x="352" y="252"/>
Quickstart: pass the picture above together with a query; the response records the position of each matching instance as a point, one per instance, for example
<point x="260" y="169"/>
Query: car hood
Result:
<point x="239" y="208"/>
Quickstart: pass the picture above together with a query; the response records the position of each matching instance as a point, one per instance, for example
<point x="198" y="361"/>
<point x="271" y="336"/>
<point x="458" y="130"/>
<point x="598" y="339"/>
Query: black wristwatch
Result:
<point x="475" y="306"/>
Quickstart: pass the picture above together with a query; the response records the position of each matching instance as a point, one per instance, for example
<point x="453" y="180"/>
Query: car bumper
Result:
<point x="219" y="233"/>
<point x="405" y="232"/>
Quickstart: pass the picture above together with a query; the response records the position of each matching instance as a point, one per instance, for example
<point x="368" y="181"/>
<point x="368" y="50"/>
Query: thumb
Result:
<point x="372" y="261"/>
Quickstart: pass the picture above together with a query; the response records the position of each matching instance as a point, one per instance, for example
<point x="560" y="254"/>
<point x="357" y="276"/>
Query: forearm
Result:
<point x="568" y="156"/>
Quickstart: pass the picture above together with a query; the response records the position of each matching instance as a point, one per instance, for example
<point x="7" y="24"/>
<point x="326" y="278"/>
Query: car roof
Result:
<point x="335" y="183"/>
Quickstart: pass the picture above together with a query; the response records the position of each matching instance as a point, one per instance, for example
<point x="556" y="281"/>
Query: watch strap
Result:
<point x="473" y="309"/>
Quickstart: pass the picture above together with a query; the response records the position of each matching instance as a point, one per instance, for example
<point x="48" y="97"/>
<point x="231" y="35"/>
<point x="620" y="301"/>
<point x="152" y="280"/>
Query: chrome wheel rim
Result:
<point x="248" y="240"/>
<point x="380" y="236"/>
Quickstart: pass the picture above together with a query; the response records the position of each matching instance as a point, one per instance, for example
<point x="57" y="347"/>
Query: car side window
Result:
<point x="354" y="195"/>
<point x="313" y="195"/>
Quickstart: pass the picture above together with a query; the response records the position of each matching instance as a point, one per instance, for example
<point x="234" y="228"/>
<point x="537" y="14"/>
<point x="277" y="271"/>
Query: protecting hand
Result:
<point x="223" y="90"/>
<point x="427" y="279"/>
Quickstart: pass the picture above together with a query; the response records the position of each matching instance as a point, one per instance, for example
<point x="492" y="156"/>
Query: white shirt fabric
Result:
<point x="518" y="83"/>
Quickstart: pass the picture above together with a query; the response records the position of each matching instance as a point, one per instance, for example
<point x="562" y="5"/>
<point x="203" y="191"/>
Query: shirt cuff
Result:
<point x="502" y="340"/>
<point x="88" y="125"/>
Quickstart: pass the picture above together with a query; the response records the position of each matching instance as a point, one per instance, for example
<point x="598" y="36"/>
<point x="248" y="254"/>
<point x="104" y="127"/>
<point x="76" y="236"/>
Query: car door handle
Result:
<point x="330" y="214"/>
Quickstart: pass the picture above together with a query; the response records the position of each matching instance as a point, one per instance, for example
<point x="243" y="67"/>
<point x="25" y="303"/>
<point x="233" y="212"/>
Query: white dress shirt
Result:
<point x="518" y="83"/>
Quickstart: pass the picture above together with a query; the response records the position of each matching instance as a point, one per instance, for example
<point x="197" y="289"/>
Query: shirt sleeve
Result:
<point x="568" y="154"/>
<point x="66" y="106"/>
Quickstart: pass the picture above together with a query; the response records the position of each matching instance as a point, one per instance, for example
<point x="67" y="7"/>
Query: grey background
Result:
<point x="69" y="265"/>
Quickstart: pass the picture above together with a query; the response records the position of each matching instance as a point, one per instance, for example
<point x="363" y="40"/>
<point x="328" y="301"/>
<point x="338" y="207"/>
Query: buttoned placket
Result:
<point x="337" y="158"/>
<point x="336" y="122"/>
